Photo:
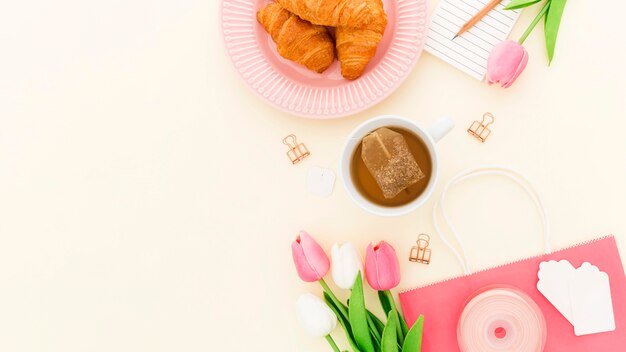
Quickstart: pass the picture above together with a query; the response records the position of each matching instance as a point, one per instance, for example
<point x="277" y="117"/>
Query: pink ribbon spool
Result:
<point x="501" y="318"/>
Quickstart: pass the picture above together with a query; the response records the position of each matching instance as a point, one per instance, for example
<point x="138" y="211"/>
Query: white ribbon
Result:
<point x="475" y="172"/>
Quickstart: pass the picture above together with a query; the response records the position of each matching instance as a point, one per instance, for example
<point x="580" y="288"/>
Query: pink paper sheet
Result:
<point x="442" y="303"/>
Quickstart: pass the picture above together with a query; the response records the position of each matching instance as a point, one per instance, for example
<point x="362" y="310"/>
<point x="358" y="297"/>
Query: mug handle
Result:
<point x="440" y="128"/>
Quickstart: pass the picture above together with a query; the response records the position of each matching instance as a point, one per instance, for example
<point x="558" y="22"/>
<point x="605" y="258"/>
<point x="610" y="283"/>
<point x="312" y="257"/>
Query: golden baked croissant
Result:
<point x="355" y="49"/>
<point x="337" y="13"/>
<point x="298" y="40"/>
<point x="357" y="46"/>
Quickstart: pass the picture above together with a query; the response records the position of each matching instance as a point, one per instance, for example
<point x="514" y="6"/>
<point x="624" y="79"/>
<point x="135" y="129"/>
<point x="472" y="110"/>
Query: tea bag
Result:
<point x="388" y="158"/>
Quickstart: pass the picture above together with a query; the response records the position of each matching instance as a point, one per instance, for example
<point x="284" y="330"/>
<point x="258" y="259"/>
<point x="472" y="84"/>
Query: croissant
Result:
<point x="298" y="40"/>
<point x="337" y="13"/>
<point x="355" y="49"/>
<point x="357" y="46"/>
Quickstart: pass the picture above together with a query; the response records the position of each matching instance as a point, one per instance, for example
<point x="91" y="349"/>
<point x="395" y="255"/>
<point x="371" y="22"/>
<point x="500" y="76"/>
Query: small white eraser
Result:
<point x="590" y="294"/>
<point x="320" y="181"/>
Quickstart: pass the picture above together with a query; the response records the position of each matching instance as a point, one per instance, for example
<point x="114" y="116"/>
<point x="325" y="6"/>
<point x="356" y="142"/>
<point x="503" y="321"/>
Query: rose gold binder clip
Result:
<point x="421" y="253"/>
<point x="480" y="130"/>
<point x="297" y="151"/>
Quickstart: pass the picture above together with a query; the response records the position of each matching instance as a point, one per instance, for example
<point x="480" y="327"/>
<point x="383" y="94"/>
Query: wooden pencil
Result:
<point x="479" y="16"/>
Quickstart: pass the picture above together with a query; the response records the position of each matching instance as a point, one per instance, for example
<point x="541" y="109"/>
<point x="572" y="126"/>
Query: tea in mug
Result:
<point x="386" y="161"/>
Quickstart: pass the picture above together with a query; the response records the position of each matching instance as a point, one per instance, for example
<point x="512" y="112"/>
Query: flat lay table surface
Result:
<point x="148" y="205"/>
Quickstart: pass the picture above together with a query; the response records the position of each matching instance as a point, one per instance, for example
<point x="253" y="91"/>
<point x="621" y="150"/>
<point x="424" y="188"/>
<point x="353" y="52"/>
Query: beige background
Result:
<point x="146" y="203"/>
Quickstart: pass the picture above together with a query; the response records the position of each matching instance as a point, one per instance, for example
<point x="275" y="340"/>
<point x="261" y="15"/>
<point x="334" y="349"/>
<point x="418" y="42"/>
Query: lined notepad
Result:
<point x="470" y="51"/>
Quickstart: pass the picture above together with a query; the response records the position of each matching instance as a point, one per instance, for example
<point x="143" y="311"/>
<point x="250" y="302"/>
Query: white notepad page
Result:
<point x="470" y="51"/>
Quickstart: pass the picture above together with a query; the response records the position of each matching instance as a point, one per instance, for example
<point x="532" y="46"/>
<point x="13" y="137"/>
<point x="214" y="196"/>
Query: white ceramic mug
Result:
<point x="429" y="136"/>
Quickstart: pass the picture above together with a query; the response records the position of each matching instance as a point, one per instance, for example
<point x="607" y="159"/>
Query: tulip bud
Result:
<point x="346" y="264"/>
<point x="382" y="269"/>
<point x="311" y="262"/>
<point x="315" y="316"/>
<point x="506" y="62"/>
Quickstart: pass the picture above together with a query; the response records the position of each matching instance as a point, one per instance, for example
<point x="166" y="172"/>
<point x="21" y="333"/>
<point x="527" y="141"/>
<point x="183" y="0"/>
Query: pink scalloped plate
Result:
<point x="293" y="88"/>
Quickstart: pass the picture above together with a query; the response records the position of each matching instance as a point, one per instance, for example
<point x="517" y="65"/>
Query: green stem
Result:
<point x="332" y="343"/>
<point x="534" y="22"/>
<point x="339" y="305"/>
<point x="398" y="326"/>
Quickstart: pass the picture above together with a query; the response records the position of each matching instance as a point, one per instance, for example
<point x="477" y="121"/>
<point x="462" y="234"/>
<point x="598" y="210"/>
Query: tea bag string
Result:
<point x="475" y="172"/>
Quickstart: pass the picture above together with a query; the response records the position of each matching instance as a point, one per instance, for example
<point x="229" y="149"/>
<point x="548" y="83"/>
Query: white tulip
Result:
<point x="315" y="316"/>
<point x="346" y="264"/>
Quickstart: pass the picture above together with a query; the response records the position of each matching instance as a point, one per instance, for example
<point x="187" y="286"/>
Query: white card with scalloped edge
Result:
<point x="592" y="307"/>
<point x="554" y="285"/>
<point x="583" y="295"/>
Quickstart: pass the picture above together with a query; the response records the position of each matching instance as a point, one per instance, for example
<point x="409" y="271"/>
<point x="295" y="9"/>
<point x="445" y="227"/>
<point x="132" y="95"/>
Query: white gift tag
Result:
<point x="554" y="285"/>
<point x="582" y="295"/>
<point x="320" y="181"/>
<point x="592" y="307"/>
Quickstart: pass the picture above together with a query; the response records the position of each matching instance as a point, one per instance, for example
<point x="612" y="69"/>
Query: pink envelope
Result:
<point x="441" y="303"/>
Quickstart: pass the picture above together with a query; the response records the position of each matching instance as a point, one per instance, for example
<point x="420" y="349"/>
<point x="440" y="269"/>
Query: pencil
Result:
<point x="477" y="17"/>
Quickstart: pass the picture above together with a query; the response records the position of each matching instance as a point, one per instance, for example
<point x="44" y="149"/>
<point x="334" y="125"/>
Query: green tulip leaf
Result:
<point x="343" y="321"/>
<point x="375" y="329"/>
<point x="405" y="329"/>
<point x="377" y="323"/>
<point x="387" y="300"/>
<point x="390" y="344"/>
<point x="413" y="341"/>
<point x="376" y="341"/>
<point x="545" y="16"/>
<point x="358" y="317"/>
<point x="384" y="302"/>
<point x="520" y="4"/>
<point x="345" y="307"/>
<point x="552" y="24"/>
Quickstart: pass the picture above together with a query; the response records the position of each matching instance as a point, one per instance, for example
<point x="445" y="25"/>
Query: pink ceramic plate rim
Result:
<point x="238" y="21"/>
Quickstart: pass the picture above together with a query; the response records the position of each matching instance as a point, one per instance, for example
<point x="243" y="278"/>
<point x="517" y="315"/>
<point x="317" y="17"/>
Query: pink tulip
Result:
<point x="310" y="260"/>
<point x="506" y="62"/>
<point x="382" y="269"/>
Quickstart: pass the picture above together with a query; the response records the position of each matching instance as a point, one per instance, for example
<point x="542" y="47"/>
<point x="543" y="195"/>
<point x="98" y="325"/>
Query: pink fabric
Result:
<point x="381" y="266"/>
<point x="442" y="303"/>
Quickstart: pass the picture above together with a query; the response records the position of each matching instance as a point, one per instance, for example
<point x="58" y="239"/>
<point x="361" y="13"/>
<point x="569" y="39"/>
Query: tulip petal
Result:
<point x="346" y="264"/>
<point x="339" y="268"/>
<point x="388" y="267"/>
<point x="506" y="62"/>
<point x="314" y="315"/>
<point x="518" y="71"/>
<point x="314" y="255"/>
<point x="371" y="270"/>
<point x="304" y="269"/>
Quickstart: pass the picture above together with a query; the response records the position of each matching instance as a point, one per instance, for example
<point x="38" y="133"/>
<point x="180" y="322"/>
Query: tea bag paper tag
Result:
<point x="590" y="293"/>
<point x="320" y="181"/>
<point x="554" y="285"/>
